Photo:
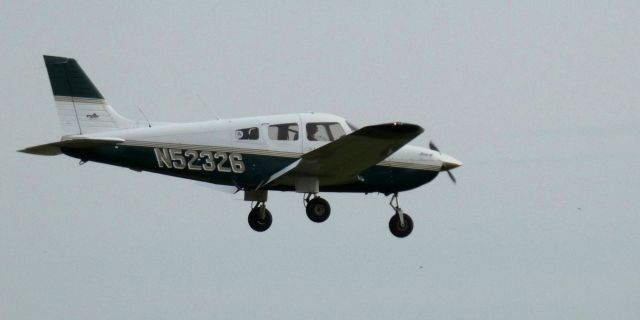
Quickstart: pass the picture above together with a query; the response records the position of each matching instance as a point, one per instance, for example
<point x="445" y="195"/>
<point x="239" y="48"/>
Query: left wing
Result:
<point x="341" y="161"/>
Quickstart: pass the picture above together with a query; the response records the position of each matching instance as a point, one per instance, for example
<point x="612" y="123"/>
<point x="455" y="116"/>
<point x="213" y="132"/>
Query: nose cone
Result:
<point x="449" y="162"/>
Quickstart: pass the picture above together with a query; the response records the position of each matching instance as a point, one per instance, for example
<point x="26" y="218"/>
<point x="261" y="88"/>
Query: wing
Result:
<point x="341" y="161"/>
<point x="54" y="148"/>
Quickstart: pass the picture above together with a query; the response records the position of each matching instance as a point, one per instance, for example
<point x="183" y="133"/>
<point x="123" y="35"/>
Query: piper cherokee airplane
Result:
<point x="306" y="152"/>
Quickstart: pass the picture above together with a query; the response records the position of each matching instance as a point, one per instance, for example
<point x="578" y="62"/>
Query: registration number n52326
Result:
<point x="199" y="160"/>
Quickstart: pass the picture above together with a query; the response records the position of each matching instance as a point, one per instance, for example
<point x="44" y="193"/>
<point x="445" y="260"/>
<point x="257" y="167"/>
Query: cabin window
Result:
<point x="248" y="134"/>
<point x="284" y="132"/>
<point x="324" y="131"/>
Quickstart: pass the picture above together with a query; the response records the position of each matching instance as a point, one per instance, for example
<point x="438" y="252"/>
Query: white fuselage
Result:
<point x="222" y="133"/>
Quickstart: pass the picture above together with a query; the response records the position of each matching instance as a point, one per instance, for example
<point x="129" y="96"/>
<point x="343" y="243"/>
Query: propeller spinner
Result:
<point x="448" y="162"/>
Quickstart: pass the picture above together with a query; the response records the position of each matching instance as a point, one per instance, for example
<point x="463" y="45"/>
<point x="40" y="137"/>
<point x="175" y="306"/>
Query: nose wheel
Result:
<point x="400" y="224"/>
<point x="318" y="209"/>
<point x="259" y="217"/>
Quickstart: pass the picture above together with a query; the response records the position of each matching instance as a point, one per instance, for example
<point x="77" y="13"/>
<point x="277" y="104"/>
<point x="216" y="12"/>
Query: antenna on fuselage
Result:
<point x="144" y="116"/>
<point x="205" y="105"/>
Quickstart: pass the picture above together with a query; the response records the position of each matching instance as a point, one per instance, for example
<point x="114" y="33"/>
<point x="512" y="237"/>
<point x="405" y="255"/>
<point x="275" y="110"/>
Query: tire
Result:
<point x="258" y="224"/>
<point x="318" y="210"/>
<point x="398" y="230"/>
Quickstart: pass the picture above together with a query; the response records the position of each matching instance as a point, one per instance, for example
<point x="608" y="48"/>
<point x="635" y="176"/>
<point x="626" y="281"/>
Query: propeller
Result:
<point x="448" y="162"/>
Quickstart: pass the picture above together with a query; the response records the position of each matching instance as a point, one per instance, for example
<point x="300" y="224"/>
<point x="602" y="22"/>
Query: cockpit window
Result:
<point x="248" y="134"/>
<point x="352" y="126"/>
<point x="324" y="131"/>
<point x="284" y="131"/>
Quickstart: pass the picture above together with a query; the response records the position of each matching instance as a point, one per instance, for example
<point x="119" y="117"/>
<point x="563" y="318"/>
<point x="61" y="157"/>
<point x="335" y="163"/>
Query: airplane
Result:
<point x="307" y="153"/>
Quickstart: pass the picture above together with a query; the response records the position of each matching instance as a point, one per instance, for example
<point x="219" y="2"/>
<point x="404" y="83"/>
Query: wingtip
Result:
<point x="408" y="127"/>
<point x="392" y="130"/>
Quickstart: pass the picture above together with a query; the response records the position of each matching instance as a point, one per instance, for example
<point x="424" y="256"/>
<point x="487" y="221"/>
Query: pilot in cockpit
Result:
<point x="314" y="134"/>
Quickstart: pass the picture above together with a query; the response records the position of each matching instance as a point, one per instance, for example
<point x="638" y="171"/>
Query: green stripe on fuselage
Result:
<point x="257" y="168"/>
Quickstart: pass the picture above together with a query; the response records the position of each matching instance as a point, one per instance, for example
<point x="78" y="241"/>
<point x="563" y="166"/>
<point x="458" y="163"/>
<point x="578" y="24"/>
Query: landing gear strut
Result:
<point x="259" y="217"/>
<point x="318" y="209"/>
<point x="400" y="224"/>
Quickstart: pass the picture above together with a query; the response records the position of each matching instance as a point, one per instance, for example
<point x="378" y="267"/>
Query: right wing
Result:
<point x="341" y="160"/>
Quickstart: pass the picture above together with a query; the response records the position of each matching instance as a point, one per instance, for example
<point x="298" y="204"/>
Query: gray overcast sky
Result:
<point x="540" y="100"/>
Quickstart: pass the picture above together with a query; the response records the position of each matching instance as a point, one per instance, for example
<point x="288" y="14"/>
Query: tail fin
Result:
<point x="81" y="107"/>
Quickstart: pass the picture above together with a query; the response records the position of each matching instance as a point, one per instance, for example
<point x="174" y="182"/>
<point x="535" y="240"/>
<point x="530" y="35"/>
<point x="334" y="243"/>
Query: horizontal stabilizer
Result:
<point x="54" y="148"/>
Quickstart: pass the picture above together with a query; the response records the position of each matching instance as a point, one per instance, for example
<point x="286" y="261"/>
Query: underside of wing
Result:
<point x="55" y="148"/>
<point x="341" y="161"/>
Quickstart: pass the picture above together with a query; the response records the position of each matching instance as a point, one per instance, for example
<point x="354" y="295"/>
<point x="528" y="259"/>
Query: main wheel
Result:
<point x="318" y="209"/>
<point x="258" y="224"/>
<point x="397" y="229"/>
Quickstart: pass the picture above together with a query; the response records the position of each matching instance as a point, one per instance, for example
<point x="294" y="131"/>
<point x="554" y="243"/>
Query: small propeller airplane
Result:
<point x="305" y="152"/>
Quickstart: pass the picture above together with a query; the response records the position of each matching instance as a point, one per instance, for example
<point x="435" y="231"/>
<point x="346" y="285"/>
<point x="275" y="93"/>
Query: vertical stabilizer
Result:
<point x="81" y="107"/>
